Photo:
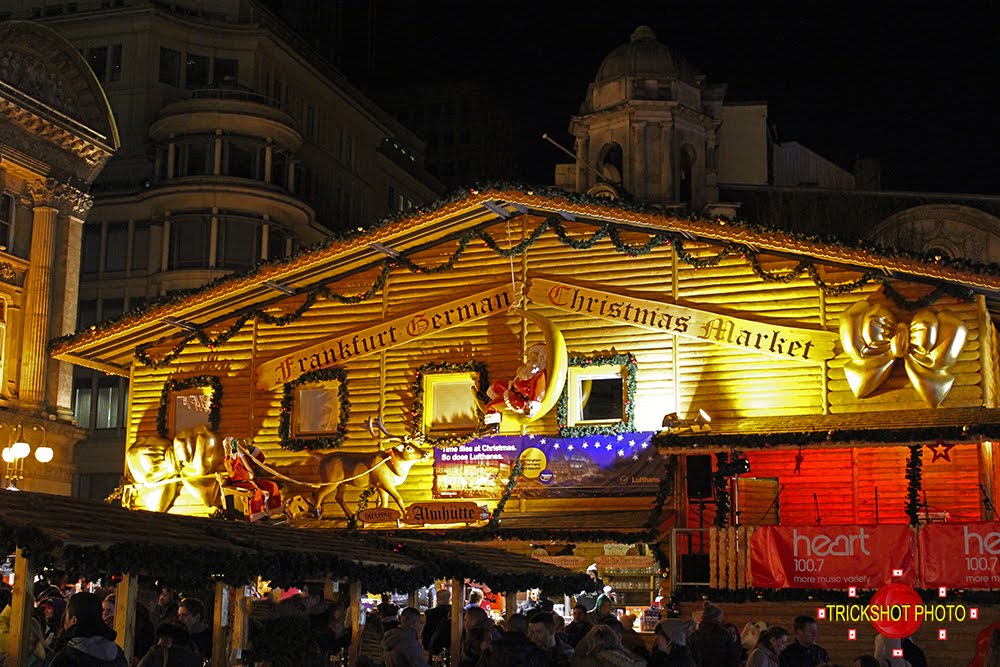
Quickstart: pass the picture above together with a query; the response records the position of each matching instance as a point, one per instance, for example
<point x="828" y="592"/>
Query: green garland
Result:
<point x="476" y="368"/>
<point x="914" y="482"/>
<point x="766" y="440"/>
<point x="665" y="491"/>
<point x="721" y="483"/>
<point x="821" y="595"/>
<point x="169" y="386"/>
<point x="607" y="230"/>
<point x="629" y="368"/>
<point x="292" y="443"/>
<point x="508" y="490"/>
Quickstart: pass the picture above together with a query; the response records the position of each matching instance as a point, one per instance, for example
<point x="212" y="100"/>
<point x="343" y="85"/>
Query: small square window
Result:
<point x="449" y="404"/>
<point x="596" y="395"/>
<point x="319" y="410"/>
<point x="599" y="395"/>
<point x="191" y="407"/>
<point x="316" y="409"/>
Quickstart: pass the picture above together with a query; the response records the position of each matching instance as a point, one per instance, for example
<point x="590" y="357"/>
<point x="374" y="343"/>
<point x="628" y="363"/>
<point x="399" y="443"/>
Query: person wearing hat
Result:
<point x="595" y="587"/>
<point x="713" y="644"/>
<point x="601" y="614"/>
<point x="670" y="644"/>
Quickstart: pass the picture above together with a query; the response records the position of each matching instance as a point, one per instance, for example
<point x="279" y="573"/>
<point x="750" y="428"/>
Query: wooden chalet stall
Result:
<point x="93" y="540"/>
<point x="834" y="385"/>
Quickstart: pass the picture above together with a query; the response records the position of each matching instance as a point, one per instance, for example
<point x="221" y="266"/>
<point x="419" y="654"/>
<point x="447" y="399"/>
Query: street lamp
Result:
<point x="18" y="450"/>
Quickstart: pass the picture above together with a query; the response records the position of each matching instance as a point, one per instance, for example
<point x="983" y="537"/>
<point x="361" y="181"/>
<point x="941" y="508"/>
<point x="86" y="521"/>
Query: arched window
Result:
<point x="610" y="162"/>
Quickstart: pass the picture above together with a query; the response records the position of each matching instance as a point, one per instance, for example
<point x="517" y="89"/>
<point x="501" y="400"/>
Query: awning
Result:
<point x="95" y="539"/>
<point x="884" y="427"/>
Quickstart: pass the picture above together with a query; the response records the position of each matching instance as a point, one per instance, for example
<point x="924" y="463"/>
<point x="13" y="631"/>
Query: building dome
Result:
<point x="644" y="56"/>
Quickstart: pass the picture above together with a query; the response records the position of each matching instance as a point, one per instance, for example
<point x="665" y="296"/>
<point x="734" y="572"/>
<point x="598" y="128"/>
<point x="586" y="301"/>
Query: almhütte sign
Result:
<point x="383" y="336"/>
<point x="810" y="345"/>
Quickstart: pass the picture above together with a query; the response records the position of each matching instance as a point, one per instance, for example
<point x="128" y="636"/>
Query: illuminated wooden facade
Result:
<point x="714" y="269"/>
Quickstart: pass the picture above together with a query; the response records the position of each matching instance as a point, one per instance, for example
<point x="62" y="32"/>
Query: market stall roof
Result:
<point x="96" y="538"/>
<point x="886" y="427"/>
<point x="386" y="247"/>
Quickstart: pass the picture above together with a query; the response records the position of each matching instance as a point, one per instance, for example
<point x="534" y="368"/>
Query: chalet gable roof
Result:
<point x="111" y="347"/>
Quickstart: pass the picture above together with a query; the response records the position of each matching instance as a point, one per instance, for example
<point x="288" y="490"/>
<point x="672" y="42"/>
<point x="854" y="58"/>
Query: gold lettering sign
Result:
<point x="384" y="336"/>
<point x="378" y="515"/>
<point x="459" y="512"/>
<point x="809" y="345"/>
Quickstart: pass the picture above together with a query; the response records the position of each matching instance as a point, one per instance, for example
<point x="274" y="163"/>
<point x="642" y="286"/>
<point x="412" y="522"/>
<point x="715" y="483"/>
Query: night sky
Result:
<point x="916" y="88"/>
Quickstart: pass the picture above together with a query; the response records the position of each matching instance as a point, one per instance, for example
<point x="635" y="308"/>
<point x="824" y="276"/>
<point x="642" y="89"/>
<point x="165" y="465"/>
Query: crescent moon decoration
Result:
<point x="556" y="369"/>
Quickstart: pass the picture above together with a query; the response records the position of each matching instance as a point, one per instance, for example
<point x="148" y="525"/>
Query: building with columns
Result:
<point x="56" y="134"/>
<point x="240" y="144"/>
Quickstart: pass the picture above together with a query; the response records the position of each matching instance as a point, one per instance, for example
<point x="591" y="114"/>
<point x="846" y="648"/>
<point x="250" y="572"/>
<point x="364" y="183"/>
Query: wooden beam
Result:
<point x="509" y="603"/>
<point x="220" y="625"/>
<point x="457" y="604"/>
<point x="241" y="621"/>
<point x="355" y="622"/>
<point x="125" y="598"/>
<point x="19" y="640"/>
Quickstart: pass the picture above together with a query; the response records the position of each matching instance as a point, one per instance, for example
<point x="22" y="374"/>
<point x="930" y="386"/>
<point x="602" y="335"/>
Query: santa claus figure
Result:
<point x="523" y="394"/>
<point x="266" y="498"/>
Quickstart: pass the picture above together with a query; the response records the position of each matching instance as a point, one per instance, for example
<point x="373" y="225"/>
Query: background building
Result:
<point x="240" y="143"/>
<point x="653" y="129"/>
<point x="56" y="134"/>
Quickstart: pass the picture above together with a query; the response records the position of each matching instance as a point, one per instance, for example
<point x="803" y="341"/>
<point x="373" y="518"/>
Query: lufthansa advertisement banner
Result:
<point x="836" y="557"/>
<point x="622" y="464"/>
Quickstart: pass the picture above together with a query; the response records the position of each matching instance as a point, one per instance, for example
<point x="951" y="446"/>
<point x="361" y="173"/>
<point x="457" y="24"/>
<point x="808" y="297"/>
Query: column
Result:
<point x="582" y="160"/>
<point x="125" y="601"/>
<point x="18" y="649"/>
<point x="638" y="149"/>
<point x="47" y="198"/>
<point x="666" y="173"/>
<point x="268" y="161"/>
<point x="65" y="300"/>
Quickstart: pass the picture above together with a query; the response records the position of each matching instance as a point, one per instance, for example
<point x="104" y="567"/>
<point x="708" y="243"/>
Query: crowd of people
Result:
<point x="70" y="628"/>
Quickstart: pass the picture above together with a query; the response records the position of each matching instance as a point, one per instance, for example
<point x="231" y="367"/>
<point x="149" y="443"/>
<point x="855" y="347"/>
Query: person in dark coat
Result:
<point x="401" y="645"/>
<point x="436" y="635"/>
<point x="542" y="633"/>
<point x="713" y="644"/>
<point x="86" y="640"/>
<point x="804" y="651"/>
<point x="580" y="625"/>
<point x="513" y="647"/>
<point x="670" y="647"/>
<point x="191" y="614"/>
<point x="173" y="648"/>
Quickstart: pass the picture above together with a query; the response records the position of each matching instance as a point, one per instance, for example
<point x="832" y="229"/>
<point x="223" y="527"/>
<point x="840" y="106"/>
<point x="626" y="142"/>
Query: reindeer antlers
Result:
<point x="376" y="422"/>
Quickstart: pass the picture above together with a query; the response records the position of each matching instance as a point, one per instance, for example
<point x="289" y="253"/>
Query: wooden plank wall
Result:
<point x="675" y="374"/>
<point x="844" y="481"/>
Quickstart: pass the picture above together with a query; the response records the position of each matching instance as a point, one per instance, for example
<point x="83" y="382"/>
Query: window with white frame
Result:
<point x="449" y="406"/>
<point x="595" y="395"/>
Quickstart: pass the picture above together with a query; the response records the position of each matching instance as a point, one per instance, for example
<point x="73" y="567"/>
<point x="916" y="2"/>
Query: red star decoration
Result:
<point x="942" y="454"/>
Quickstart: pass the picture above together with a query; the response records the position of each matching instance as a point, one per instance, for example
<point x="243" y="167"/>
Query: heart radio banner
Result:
<point x="960" y="555"/>
<point x="833" y="557"/>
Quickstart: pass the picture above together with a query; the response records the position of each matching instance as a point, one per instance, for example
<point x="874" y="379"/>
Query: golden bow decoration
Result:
<point x="929" y="345"/>
<point x="161" y="467"/>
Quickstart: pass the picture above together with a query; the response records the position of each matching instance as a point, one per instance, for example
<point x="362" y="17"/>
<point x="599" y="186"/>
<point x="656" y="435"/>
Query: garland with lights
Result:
<point x="607" y="230"/>
<point x="326" y="441"/>
<point x="508" y="490"/>
<point x="743" y="441"/>
<point x="665" y="491"/>
<point x="476" y="368"/>
<point x="721" y="483"/>
<point x="215" y="400"/>
<point x="581" y="199"/>
<point x="825" y="595"/>
<point x="629" y="371"/>
<point x="914" y="482"/>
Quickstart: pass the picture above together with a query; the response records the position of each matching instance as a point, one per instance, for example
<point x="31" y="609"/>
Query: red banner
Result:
<point x="834" y="557"/>
<point x="960" y="555"/>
